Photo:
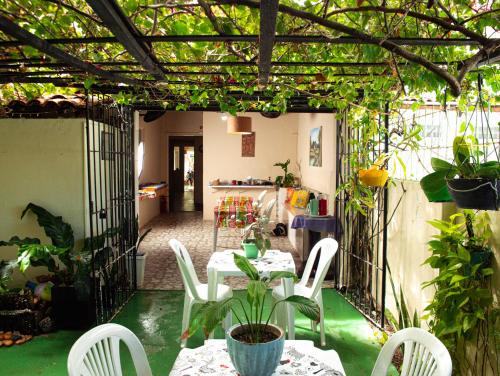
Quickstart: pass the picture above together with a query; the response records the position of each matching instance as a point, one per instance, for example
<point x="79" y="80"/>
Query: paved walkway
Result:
<point x="162" y="272"/>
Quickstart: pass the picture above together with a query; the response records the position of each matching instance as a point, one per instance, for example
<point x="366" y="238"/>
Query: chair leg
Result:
<point x="216" y="230"/>
<point x="186" y="314"/>
<point x="228" y="321"/>
<point x="281" y="316"/>
<point x="319" y="299"/>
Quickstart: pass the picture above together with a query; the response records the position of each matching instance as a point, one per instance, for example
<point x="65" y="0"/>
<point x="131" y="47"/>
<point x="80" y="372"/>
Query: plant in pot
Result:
<point x="376" y="175"/>
<point x="287" y="179"/>
<point x="256" y="235"/>
<point x="472" y="184"/>
<point x="254" y="344"/>
<point x="71" y="275"/>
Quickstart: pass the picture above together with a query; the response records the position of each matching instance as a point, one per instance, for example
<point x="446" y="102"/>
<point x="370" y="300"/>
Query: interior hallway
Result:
<point x="162" y="272"/>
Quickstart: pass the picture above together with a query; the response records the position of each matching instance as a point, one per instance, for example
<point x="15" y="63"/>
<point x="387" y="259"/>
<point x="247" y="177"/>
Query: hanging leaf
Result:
<point x="55" y="228"/>
<point x="306" y="306"/>
<point x="244" y="265"/>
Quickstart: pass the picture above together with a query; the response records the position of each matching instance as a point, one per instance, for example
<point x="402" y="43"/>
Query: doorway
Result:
<point x="185" y="173"/>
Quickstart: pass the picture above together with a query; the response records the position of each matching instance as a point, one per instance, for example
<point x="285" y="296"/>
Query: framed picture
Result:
<point x="315" y="147"/>
<point x="248" y="145"/>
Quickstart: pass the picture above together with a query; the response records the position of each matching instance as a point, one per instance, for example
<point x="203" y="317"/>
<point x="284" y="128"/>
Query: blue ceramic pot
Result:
<point x="259" y="359"/>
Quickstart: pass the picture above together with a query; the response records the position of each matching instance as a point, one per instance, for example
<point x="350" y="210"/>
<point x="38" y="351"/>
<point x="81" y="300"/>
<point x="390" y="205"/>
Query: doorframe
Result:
<point x="173" y="141"/>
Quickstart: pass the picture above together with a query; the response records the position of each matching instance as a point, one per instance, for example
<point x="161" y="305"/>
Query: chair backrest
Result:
<point x="97" y="352"/>
<point x="328" y="248"/>
<point x="269" y="208"/>
<point x="189" y="277"/>
<point x="424" y="354"/>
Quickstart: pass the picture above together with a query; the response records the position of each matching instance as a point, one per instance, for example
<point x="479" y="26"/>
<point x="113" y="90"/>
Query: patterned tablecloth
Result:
<point x="273" y="260"/>
<point x="213" y="359"/>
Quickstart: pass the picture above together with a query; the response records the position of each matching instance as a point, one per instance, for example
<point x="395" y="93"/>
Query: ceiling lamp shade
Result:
<point x="239" y="125"/>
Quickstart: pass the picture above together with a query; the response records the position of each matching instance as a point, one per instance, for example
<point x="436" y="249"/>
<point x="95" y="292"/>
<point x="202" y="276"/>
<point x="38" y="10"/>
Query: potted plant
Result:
<point x="255" y="346"/>
<point x="73" y="285"/>
<point x="256" y="235"/>
<point x="376" y="175"/>
<point x="463" y="303"/>
<point x="472" y="184"/>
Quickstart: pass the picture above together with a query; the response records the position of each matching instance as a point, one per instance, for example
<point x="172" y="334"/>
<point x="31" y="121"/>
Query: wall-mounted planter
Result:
<point x="373" y="177"/>
<point x="481" y="194"/>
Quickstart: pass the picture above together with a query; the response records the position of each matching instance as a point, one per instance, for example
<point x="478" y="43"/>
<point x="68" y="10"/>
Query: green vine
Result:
<point x="462" y="313"/>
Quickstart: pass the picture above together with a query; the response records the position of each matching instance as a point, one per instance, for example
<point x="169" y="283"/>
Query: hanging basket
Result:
<point x="373" y="177"/>
<point x="481" y="194"/>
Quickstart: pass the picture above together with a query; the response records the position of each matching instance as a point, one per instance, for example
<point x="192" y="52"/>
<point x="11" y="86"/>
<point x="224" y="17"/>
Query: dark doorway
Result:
<point x="186" y="173"/>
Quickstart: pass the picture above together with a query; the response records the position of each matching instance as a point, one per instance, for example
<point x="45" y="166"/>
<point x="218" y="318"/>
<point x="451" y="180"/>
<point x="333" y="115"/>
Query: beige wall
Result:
<point x="151" y="173"/>
<point x="275" y="141"/>
<point x="408" y="234"/>
<point x="41" y="161"/>
<point x="321" y="179"/>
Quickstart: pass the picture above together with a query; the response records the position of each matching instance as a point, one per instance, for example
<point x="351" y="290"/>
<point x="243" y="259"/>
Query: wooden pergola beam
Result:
<point x="118" y="23"/>
<point x="267" y="34"/>
<point x="15" y="31"/>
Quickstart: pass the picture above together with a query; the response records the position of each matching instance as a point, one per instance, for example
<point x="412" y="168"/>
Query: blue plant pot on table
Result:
<point x="255" y="359"/>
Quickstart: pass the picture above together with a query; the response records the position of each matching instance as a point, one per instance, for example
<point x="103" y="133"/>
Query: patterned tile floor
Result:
<point x="162" y="272"/>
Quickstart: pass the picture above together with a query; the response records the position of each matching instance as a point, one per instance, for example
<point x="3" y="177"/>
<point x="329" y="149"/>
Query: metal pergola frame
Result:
<point x="145" y="69"/>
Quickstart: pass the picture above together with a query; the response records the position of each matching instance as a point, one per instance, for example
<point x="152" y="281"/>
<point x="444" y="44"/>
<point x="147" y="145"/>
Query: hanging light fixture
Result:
<point x="239" y="125"/>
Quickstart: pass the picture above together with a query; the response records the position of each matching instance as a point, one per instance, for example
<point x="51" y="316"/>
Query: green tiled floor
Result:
<point x="155" y="317"/>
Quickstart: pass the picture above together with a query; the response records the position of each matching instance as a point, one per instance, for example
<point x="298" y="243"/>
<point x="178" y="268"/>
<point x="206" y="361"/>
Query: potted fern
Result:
<point x="472" y="184"/>
<point x="254" y="344"/>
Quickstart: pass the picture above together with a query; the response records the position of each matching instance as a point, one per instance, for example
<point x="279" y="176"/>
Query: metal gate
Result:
<point x="111" y="218"/>
<point x="360" y="266"/>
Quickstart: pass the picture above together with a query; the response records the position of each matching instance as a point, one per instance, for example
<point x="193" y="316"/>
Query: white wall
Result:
<point x="275" y="141"/>
<point x="321" y="179"/>
<point x="151" y="172"/>
<point x="41" y="161"/>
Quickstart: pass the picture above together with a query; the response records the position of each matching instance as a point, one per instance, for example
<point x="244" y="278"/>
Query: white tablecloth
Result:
<point x="299" y="358"/>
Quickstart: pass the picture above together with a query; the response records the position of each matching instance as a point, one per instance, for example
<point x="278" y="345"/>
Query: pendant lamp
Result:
<point x="239" y="125"/>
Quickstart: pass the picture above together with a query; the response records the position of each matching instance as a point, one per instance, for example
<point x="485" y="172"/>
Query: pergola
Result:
<point x="247" y="49"/>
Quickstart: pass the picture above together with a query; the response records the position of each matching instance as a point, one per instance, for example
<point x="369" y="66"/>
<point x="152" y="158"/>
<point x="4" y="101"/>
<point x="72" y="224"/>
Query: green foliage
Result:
<point x="31" y="252"/>
<point x="377" y="84"/>
<point x="6" y="270"/>
<point x="370" y="131"/>
<point x="463" y="299"/>
<point x="287" y="179"/>
<point x="404" y="320"/>
<point x="211" y="314"/>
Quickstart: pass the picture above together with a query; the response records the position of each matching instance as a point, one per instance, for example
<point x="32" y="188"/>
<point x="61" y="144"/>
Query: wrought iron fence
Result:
<point x="111" y="219"/>
<point x="360" y="264"/>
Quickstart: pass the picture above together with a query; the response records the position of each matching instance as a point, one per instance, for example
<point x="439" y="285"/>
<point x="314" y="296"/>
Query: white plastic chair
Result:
<point x="328" y="248"/>
<point x="196" y="292"/>
<point x="424" y="354"/>
<point x="97" y="352"/>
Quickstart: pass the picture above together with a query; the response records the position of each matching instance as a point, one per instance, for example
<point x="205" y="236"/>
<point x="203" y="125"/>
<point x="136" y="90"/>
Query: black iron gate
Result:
<point x="360" y="265"/>
<point x="111" y="219"/>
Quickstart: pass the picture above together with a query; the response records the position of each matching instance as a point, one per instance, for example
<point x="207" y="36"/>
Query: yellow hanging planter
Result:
<point x="373" y="177"/>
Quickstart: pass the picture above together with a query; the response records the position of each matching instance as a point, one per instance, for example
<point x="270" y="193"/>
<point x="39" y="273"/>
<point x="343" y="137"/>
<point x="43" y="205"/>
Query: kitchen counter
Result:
<point x="236" y="186"/>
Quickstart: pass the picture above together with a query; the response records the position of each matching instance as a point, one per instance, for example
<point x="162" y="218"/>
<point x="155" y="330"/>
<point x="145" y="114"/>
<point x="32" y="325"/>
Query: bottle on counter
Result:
<point x="323" y="204"/>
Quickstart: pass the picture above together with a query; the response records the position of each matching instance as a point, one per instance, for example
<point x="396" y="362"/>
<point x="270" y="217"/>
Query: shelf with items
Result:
<point x="152" y="191"/>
